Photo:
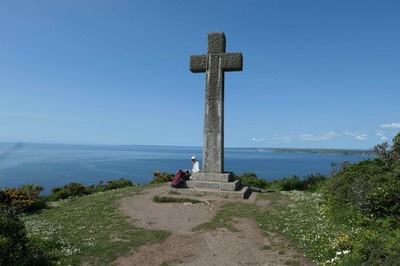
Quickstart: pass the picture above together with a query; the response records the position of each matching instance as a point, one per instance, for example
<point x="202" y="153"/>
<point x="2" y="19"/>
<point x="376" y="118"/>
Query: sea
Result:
<point x="54" y="165"/>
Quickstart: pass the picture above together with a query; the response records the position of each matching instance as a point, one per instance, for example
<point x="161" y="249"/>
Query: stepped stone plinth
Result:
<point x="223" y="185"/>
<point x="217" y="177"/>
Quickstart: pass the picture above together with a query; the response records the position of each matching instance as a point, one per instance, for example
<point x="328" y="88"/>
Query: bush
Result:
<point x="372" y="187"/>
<point x="368" y="185"/>
<point x="291" y="183"/>
<point x="313" y="182"/>
<point x="70" y="190"/>
<point x="24" y="199"/>
<point x="161" y="177"/>
<point x="252" y="180"/>
<point x="33" y="192"/>
<point x="18" y="199"/>
<point x="384" y="200"/>
<point x="356" y="182"/>
<point x="15" y="247"/>
<point x="12" y="237"/>
<point x="76" y="189"/>
<point x="120" y="183"/>
<point x="380" y="248"/>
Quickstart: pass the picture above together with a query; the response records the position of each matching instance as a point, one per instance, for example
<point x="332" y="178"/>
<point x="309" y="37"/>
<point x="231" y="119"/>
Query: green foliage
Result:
<point x="76" y="189"/>
<point x="161" y="177"/>
<point x="70" y="190"/>
<point x="373" y="186"/>
<point x="372" y="189"/>
<point x="12" y="236"/>
<point x="384" y="200"/>
<point x="252" y="180"/>
<point x="379" y="247"/>
<point x="311" y="182"/>
<point x="288" y="183"/>
<point x="388" y="155"/>
<point x="120" y="183"/>
<point x="33" y="191"/>
<point x="354" y="183"/>
<point x="159" y="199"/>
<point x="23" y="199"/>
<point x="16" y="248"/>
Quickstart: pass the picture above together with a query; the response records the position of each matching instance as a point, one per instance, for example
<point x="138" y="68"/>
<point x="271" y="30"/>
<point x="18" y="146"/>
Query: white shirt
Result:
<point x="196" y="167"/>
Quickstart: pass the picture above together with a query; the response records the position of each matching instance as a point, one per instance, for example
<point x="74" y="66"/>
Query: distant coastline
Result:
<point x="326" y="151"/>
<point x="355" y="152"/>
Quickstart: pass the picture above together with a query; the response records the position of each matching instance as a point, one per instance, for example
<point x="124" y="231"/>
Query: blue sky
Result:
<point x="316" y="74"/>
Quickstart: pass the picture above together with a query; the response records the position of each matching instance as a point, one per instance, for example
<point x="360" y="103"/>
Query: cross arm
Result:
<point x="232" y="62"/>
<point x="198" y="63"/>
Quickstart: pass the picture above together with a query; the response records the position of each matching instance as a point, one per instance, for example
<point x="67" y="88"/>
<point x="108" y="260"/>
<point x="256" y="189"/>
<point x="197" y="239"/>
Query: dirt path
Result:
<point x="247" y="246"/>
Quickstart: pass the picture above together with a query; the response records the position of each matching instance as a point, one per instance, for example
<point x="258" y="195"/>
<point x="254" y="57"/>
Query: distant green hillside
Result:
<point x="326" y="151"/>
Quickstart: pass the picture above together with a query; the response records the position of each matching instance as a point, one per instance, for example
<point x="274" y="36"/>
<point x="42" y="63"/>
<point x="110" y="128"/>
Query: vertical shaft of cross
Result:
<point x="215" y="63"/>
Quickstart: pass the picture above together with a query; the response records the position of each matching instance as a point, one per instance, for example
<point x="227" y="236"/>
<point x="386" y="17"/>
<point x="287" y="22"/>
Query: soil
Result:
<point x="246" y="246"/>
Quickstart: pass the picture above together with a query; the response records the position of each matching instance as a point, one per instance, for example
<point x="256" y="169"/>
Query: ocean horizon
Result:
<point x="53" y="165"/>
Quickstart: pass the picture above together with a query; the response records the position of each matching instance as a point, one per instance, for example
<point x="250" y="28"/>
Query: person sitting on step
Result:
<point x="195" y="168"/>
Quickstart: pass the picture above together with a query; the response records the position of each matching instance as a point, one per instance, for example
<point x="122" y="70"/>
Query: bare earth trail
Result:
<point x="186" y="247"/>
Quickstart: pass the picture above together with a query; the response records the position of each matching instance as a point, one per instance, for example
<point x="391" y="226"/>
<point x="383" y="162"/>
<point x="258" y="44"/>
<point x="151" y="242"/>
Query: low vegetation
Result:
<point x="351" y="217"/>
<point x="310" y="183"/>
<point x="76" y="189"/>
<point x="31" y="233"/>
<point x="159" y="199"/>
<point x="159" y="177"/>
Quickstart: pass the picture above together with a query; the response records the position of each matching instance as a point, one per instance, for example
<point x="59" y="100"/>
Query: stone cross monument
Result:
<point x="215" y="63"/>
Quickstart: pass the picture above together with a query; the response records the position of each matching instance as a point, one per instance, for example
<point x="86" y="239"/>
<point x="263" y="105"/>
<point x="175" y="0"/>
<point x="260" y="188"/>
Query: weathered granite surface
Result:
<point x="213" y="180"/>
<point x="215" y="63"/>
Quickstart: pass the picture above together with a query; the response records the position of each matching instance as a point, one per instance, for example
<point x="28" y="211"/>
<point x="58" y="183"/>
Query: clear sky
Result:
<point x="316" y="74"/>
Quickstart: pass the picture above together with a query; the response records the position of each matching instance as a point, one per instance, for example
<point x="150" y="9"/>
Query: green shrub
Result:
<point x="372" y="187"/>
<point x="381" y="247"/>
<point x="70" y="190"/>
<point x="158" y="199"/>
<point x="15" y="247"/>
<point x="33" y="192"/>
<point x="76" y="189"/>
<point x="384" y="200"/>
<point x="24" y="199"/>
<point x="252" y="180"/>
<point x="120" y="183"/>
<point x="313" y="182"/>
<point x="12" y="237"/>
<point x="357" y="181"/>
<point x="288" y="183"/>
<point x="161" y="177"/>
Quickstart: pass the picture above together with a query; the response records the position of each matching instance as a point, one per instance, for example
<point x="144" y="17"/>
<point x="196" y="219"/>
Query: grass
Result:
<point x="162" y="199"/>
<point x="172" y="262"/>
<point x="90" y="230"/>
<point x="301" y="217"/>
<point x="305" y="219"/>
<point x="225" y="218"/>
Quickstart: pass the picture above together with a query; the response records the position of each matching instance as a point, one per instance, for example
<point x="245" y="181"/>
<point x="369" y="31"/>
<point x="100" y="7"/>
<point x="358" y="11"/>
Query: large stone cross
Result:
<point x="215" y="63"/>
